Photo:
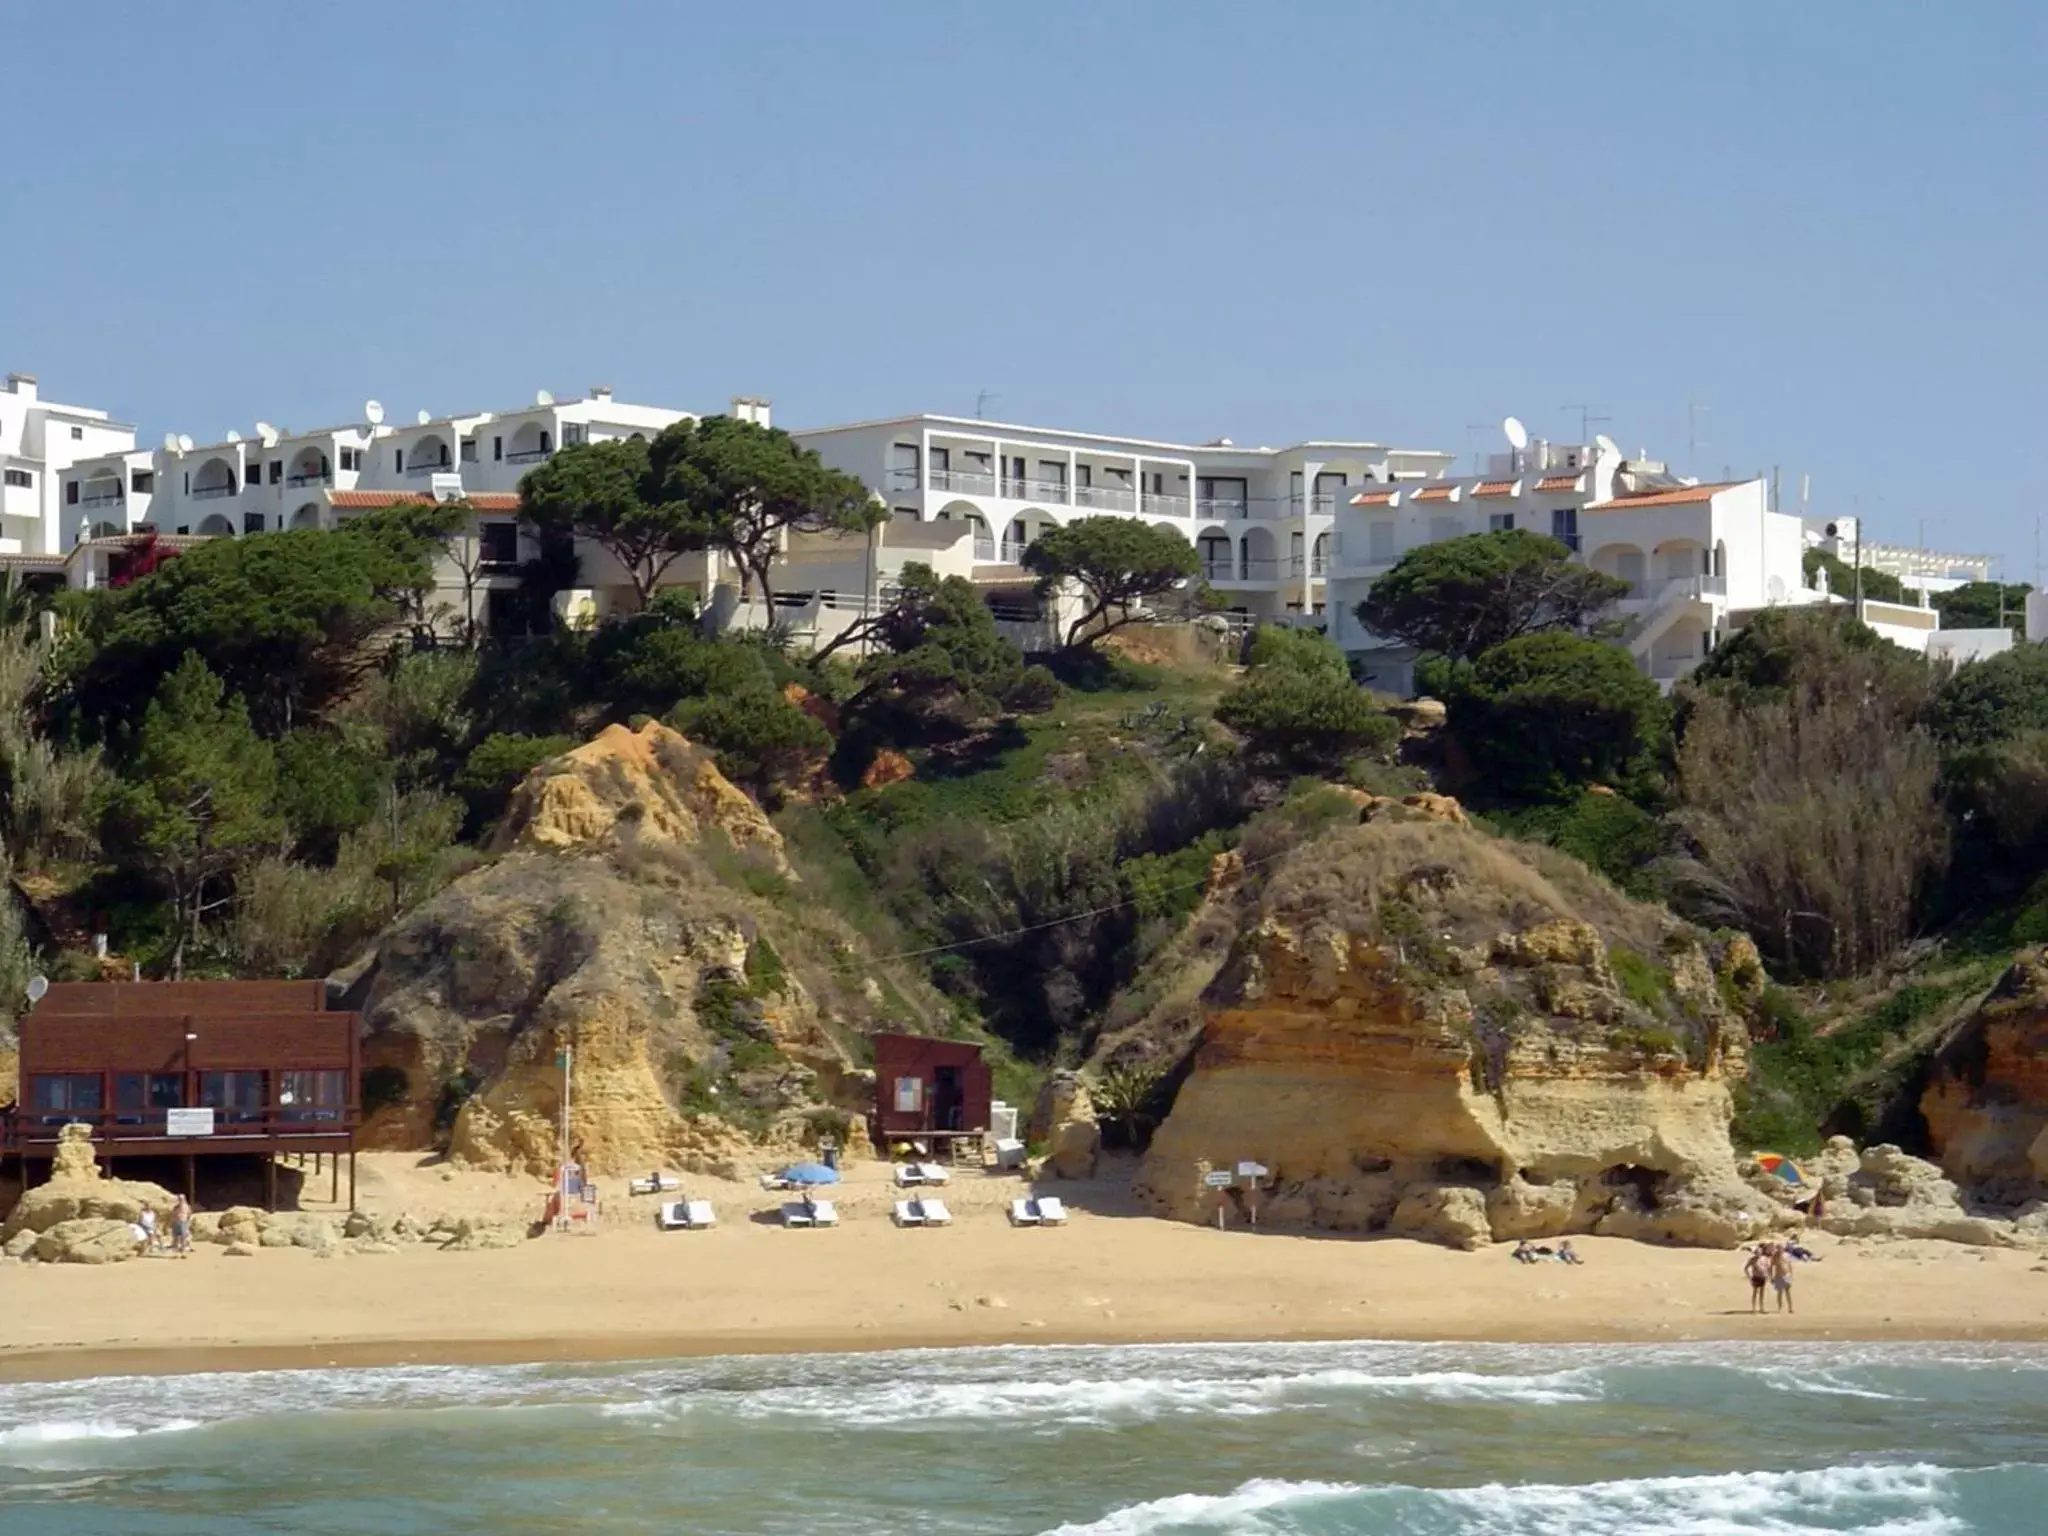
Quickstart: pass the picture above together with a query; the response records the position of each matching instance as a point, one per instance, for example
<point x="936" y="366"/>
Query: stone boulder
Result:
<point x="1443" y="1213"/>
<point x="78" y="1191"/>
<point x="1516" y="1210"/>
<point x="1063" y="1121"/>
<point x="1986" y="1101"/>
<point x="87" y="1240"/>
<point x="1893" y="1194"/>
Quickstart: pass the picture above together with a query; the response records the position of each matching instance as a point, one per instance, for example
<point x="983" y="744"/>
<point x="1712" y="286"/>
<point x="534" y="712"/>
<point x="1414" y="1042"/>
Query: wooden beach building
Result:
<point x="934" y="1091"/>
<point x="190" y="1069"/>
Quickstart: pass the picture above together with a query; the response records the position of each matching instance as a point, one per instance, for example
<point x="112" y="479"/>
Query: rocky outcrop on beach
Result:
<point x="620" y="921"/>
<point x="1423" y="1030"/>
<point x="1986" y="1100"/>
<point x="1885" y="1192"/>
<point x="79" y="1215"/>
<point x="1063" y="1122"/>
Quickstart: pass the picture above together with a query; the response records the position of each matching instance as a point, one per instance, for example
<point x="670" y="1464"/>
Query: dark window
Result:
<point x="351" y="458"/>
<point x="22" y="478"/>
<point x="252" y="522"/>
<point x="312" y="1095"/>
<point x="546" y="444"/>
<point x="497" y="448"/>
<point x="276" y="471"/>
<point x="500" y="543"/>
<point x="141" y="1096"/>
<point x="70" y="493"/>
<point x="60" y="1094"/>
<point x="1564" y="526"/>
<point x="572" y="433"/>
<point x="78" y="434"/>
<point x="444" y="456"/>
<point x="235" y="1096"/>
<point x="398" y="458"/>
<point x="142" y="482"/>
<point x="1500" y="522"/>
<point x="469" y="450"/>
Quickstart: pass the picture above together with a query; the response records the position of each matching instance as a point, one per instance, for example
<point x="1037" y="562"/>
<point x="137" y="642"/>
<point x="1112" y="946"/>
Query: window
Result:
<point x="573" y="432"/>
<point x="445" y="461"/>
<point x="909" y="1095"/>
<point x="78" y="434"/>
<point x="59" y="1095"/>
<point x="234" y="1096"/>
<point x="22" y="478"/>
<point x="941" y="460"/>
<point x="903" y="466"/>
<point x="252" y="522"/>
<point x="546" y="443"/>
<point x="141" y="1096"/>
<point x="499" y="543"/>
<point x="1564" y="526"/>
<point x="312" y="1095"/>
<point x="1053" y="472"/>
<point x="70" y="493"/>
<point x="1500" y="522"/>
<point x="142" y="481"/>
<point x="276" y="471"/>
<point x="398" y="459"/>
<point x="469" y="450"/>
<point x="497" y="448"/>
<point x="351" y="458"/>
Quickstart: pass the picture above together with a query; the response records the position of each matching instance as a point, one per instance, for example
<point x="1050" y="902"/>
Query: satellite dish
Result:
<point x="268" y="433"/>
<point x="38" y="986"/>
<point x="373" y="413"/>
<point x="170" y="442"/>
<point x="424" y="417"/>
<point x="1517" y="434"/>
<point x="184" y="442"/>
<point x="543" y="397"/>
<point x="1605" y="444"/>
<point x="234" y="436"/>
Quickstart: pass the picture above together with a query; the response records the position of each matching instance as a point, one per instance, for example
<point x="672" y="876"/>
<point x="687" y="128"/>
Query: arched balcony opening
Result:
<point x="309" y="466"/>
<point x="1625" y="562"/>
<point x="307" y="516"/>
<point x="1026" y="529"/>
<point x="531" y="444"/>
<point x="217" y="526"/>
<point x="212" y="480"/>
<point x="431" y="454"/>
<point x="1219" y="559"/>
<point x="1258" y="556"/>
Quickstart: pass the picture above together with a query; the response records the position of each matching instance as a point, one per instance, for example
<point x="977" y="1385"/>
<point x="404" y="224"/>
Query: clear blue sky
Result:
<point x="1823" y="221"/>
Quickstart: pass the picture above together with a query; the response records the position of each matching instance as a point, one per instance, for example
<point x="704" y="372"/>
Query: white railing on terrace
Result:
<point x="309" y="477"/>
<point x="101" y="499"/>
<point x="432" y="467"/>
<point x="1159" y="505"/>
<point x="1316" y="565"/>
<point x="984" y="547"/>
<point x="212" y="492"/>
<point x="1035" y="490"/>
<point x="529" y="456"/>
<point x="1106" y="498"/>
<point x="1222" y="506"/>
<point x="971" y="482"/>
<point x="1013" y="551"/>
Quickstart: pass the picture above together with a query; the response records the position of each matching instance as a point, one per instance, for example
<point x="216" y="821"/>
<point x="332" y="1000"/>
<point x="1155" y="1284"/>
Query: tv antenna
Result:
<point x="38" y="987"/>
<point x="184" y="442"/>
<point x="543" y="397"/>
<point x="267" y="433"/>
<point x="373" y="413"/>
<point x="1587" y="417"/>
<point x="424" y="416"/>
<point x="981" y="400"/>
<point x="233" y="436"/>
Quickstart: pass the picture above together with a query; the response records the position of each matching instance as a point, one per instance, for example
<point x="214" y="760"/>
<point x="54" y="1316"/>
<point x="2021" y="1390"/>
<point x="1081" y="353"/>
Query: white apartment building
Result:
<point x="1698" y="559"/>
<point x="39" y="441"/>
<point x="1261" y="518"/>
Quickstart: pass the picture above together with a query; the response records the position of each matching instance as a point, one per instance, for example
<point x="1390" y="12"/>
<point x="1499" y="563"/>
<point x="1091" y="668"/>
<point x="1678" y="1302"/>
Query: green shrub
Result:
<point x="1643" y="981"/>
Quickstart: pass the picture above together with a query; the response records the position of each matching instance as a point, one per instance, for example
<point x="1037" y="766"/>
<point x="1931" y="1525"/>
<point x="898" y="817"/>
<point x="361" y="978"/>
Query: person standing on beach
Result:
<point x="1758" y="1272"/>
<point x="1781" y="1277"/>
<point x="181" y="1228"/>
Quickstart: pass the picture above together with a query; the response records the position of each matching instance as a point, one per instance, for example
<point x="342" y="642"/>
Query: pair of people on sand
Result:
<point x="181" y="1229"/>
<point x="1770" y="1264"/>
<point x="1527" y="1253"/>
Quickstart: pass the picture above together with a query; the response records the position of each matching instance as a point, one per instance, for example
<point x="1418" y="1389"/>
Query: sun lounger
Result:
<point x="654" y="1184"/>
<point x="933" y="1212"/>
<point x="934" y="1173"/>
<point x="674" y="1216"/>
<point x="823" y="1214"/>
<point x="908" y="1215"/>
<point x="1022" y="1214"/>
<point x="775" y="1181"/>
<point x="909" y="1174"/>
<point x="1052" y="1212"/>
<point x="797" y="1214"/>
<point x="700" y="1214"/>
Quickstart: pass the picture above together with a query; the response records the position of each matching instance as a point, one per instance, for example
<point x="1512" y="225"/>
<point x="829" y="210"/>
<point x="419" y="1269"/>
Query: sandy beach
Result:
<point x="1110" y="1275"/>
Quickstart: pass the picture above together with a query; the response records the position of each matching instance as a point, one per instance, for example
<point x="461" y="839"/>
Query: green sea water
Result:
<point x="1291" y="1440"/>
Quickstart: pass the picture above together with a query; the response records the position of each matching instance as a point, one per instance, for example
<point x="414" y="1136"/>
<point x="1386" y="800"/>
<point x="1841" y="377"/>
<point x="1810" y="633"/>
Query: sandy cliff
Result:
<point x="1986" y="1102"/>
<point x="604" y="924"/>
<point x="1422" y="1029"/>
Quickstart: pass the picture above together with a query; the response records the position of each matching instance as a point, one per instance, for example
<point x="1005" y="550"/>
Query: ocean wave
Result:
<point x="68" y="1431"/>
<point x="1905" y="1500"/>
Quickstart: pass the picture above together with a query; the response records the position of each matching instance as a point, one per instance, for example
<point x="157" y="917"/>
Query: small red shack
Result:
<point x="189" y="1069"/>
<point x="929" y="1089"/>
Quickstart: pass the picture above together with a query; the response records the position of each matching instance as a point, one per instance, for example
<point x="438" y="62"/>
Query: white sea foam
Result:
<point x="65" y="1431"/>
<point x="1880" y="1500"/>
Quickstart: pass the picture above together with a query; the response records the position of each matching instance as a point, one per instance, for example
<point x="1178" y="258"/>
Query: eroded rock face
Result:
<point x="1986" y="1104"/>
<point x="601" y="929"/>
<point x="1063" y="1121"/>
<point x="1420" y="1029"/>
<point x="77" y="1191"/>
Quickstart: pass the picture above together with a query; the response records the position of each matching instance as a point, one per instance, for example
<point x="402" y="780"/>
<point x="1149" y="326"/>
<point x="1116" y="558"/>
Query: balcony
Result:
<point x="527" y="456"/>
<point x="1106" y="498"/>
<point x="433" y="467"/>
<point x="1013" y="551"/>
<point x="212" y="492"/>
<point x="1054" y="491"/>
<point x="101" y="499"/>
<point x="1261" y="568"/>
<point x="310" y="477"/>
<point x="1157" y="505"/>
<point x="1316" y="564"/>
<point x="1322" y="504"/>
<point x="967" y="482"/>
<point x="1222" y="506"/>
<point x="1219" y="570"/>
<point x="984" y="546"/>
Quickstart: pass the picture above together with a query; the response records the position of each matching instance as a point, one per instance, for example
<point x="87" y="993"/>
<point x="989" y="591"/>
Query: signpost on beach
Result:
<point x="1251" y="1173"/>
<point x="1218" y="1180"/>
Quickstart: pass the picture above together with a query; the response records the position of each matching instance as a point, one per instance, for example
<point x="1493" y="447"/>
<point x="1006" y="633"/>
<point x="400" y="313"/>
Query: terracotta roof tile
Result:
<point x="368" y="501"/>
<point x="1677" y="496"/>
<point x="1375" y="498"/>
<point x="1561" y="483"/>
<point x="1438" y="493"/>
<point x="1495" y="488"/>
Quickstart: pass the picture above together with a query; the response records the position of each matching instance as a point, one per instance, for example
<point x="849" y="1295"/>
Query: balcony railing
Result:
<point x="30" y="1127"/>
<point x="1222" y="506"/>
<point x="1219" y="570"/>
<point x="1106" y="498"/>
<point x="1054" y="491"/>
<point x="212" y="492"/>
<point x="984" y="547"/>
<point x="1158" y="505"/>
<point x="1261" y="568"/>
<point x="1322" y="504"/>
<point x="968" y="482"/>
<point x="1315" y="564"/>
<point x="529" y="456"/>
<point x="101" y="499"/>
<point x="310" y="477"/>
<point x="1013" y="551"/>
<point x="432" y="467"/>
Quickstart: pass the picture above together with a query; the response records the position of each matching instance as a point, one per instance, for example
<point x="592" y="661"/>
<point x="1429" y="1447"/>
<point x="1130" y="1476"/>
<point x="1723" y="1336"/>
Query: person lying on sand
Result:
<point x="1523" y="1253"/>
<point x="1565" y="1255"/>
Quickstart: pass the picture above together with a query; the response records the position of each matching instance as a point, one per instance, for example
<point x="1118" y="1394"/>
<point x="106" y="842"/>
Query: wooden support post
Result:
<point x="270" y="1181"/>
<point x="334" y="1179"/>
<point x="351" y="1172"/>
<point x="191" y="1179"/>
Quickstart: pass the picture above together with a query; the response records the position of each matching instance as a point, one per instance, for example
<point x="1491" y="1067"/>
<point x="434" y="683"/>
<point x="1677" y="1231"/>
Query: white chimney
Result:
<point x="22" y="384"/>
<point x="601" y="392"/>
<point x="751" y="408"/>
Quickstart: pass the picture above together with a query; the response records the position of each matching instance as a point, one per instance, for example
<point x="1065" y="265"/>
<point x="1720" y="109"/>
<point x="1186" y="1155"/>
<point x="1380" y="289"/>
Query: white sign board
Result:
<point x="1218" y="1180"/>
<point x="188" y="1122"/>
<point x="1251" y="1170"/>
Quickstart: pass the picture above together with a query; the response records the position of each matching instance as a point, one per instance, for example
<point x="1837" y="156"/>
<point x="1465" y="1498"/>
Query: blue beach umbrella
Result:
<point x="810" y="1173"/>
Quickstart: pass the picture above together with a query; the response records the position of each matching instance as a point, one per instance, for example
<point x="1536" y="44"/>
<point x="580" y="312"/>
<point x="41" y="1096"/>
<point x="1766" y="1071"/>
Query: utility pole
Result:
<point x="981" y="400"/>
